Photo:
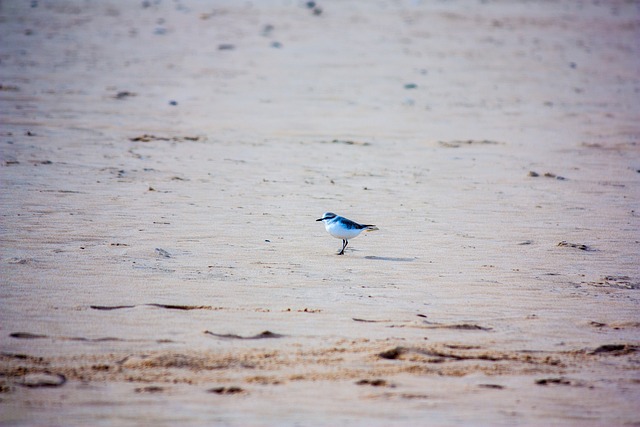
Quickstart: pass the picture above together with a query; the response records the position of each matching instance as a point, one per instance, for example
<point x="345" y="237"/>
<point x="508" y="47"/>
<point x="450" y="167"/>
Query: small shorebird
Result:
<point x="343" y="228"/>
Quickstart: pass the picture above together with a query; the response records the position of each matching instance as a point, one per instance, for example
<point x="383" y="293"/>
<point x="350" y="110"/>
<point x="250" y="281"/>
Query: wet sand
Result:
<point x="163" y="164"/>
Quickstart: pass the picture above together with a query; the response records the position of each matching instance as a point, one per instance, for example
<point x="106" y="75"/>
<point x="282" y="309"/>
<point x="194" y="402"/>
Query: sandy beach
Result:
<point x="162" y="165"/>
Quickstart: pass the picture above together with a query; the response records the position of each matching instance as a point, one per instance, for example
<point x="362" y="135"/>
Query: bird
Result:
<point x="343" y="228"/>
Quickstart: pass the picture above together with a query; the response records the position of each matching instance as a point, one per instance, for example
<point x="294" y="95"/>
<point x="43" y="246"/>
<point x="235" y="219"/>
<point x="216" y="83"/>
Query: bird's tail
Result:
<point x="370" y="228"/>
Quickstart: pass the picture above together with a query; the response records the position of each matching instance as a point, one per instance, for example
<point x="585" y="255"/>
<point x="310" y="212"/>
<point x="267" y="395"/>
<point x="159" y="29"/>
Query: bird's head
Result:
<point x="327" y="215"/>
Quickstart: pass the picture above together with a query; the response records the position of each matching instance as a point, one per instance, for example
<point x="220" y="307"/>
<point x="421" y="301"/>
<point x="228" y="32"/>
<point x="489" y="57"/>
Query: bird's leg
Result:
<point x="344" y="245"/>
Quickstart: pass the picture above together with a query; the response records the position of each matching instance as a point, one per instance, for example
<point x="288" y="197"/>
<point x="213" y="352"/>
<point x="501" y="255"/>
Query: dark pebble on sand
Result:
<point x="149" y="389"/>
<point x="580" y="246"/>
<point x="374" y="383"/>
<point x="615" y="349"/>
<point x="535" y="174"/>
<point x="547" y="381"/>
<point x="124" y="94"/>
<point x="226" y="390"/>
<point x="26" y="335"/>
<point x="552" y="175"/>
<point x="267" y="30"/>
<point x="394" y="353"/>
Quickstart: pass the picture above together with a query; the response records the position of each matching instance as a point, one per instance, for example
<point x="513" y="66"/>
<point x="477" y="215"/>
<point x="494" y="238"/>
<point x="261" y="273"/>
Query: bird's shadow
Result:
<point x="387" y="258"/>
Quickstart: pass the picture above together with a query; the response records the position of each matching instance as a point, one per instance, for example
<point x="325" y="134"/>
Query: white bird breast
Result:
<point x="339" y="232"/>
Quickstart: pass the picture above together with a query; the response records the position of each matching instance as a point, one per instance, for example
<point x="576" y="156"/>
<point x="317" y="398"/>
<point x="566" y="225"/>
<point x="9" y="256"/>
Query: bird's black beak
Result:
<point x="319" y="219"/>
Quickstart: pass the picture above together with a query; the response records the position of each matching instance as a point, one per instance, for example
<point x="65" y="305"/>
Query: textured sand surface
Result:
<point x="163" y="164"/>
